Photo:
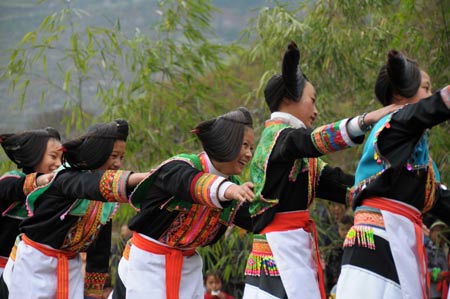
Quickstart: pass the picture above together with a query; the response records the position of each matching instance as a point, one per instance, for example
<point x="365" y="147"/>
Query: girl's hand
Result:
<point x="242" y="193"/>
<point x="44" y="179"/>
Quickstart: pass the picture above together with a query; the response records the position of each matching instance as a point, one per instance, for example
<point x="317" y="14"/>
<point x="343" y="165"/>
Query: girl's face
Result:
<point x="337" y="211"/>
<point x="51" y="159"/>
<point x="213" y="283"/>
<point x="423" y="92"/>
<point x="305" y="109"/>
<point x="236" y="166"/>
<point x="424" y="89"/>
<point x="436" y="235"/>
<point x="115" y="160"/>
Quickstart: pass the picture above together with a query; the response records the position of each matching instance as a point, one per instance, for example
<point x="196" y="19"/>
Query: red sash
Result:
<point x="3" y="261"/>
<point x="416" y="218"/>
<point x="174" y="262"/>
<point x="442" y="285"/>
<point x="62" y="268"/>
<point x="295" y="220"/>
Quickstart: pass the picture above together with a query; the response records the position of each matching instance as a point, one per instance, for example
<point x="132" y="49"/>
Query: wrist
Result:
<point x="363" y="124"/>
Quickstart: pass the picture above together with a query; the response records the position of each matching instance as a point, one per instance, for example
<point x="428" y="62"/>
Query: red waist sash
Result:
<point x="62" y="268"/>
<point x="416" y="218"/>
<point x="174" y="262"/>
<point x="295" y="220"/>
<point x="3" y="261"/>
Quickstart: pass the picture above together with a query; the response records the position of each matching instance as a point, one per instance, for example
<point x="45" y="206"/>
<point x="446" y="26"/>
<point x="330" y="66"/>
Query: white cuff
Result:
<point x="353" y="128"/>
<point x="221" y="192"/>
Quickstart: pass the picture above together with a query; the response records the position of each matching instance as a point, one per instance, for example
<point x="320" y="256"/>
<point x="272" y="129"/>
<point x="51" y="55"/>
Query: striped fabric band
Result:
<point x="113" y="185"/>
<point x="204" y="189"/>
<point x="332" y="137"/>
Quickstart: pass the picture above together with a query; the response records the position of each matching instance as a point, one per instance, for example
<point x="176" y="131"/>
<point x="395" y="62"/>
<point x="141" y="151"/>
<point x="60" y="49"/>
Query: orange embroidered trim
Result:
<point x="369" y="217"/>
<point x="195" y="228"/>
<point x="86" y="230"/>
<point x="13" y="253"/>
<point x="113" y="185"/>
<point x="202" y="187"/>
<point x="126" y="250"/>
<point x="30" y="183"/>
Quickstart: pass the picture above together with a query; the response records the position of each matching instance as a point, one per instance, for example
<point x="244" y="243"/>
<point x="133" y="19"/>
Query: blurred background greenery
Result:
<point x="166" y="65"/>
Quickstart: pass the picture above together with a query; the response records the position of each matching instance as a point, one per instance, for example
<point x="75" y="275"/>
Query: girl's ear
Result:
<point x="284" y="102"/>
<point x="399" y="100"/>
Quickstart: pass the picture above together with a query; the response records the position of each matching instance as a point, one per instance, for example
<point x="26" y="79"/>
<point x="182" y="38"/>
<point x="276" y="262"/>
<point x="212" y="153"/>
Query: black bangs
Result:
<point x="399" y="76"/>
<point x="93" y="149"/>
<point x="289" y="84"/>
<point x="27" y="149"/>
<point x="222" y="136"/>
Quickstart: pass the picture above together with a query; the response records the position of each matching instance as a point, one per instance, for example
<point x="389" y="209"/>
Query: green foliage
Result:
<point x="343" y="44"/>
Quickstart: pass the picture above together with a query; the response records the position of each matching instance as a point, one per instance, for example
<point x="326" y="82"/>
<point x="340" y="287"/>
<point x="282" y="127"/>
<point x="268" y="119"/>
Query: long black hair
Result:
<point x="93" y="149"/>
<point x="221" y="137"/>
<point x="398" y="76"/>
<point x="289" y="84"/>
<point x="26" y="149"/>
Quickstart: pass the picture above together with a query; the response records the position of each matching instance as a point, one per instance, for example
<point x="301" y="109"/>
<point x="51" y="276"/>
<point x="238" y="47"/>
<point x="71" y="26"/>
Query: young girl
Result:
<point x="213" y="286"/>
<point x="186" y="202"/>
<point x="35" y="152"/>
<point x="396" y="182"/>
<point x="66" y="218"/>
<point x="288" y="175"/>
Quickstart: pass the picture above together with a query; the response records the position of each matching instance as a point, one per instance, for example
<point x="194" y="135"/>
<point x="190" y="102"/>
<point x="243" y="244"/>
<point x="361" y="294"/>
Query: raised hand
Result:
<point x="242" y="192"/>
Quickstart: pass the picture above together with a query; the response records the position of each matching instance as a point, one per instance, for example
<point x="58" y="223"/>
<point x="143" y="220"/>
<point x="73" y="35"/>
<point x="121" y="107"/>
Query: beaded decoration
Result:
<point x="261" y="258"/>
<point x="93" y="284"/>
<point x="361" y="235"/>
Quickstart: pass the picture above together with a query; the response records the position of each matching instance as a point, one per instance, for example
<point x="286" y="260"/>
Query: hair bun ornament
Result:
<point x="403" y="73"/>
<point x="122" y="129"/>
<point x="289" y="71"/>
<point x="396" y="66"/>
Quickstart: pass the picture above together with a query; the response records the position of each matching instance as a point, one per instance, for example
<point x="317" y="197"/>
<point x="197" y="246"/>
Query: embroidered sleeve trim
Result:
<point x="113" y="185"/>
<point x="30" y="183"/>
<point x="332" y="137"/>
<point x="205" y="187"/>
<point x="93" y="284"/>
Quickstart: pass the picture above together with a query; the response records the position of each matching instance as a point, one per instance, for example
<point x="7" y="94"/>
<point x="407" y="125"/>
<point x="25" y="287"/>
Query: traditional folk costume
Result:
<point x="30" y="151"/>
<point x="396" y="182"/>
<point x="14" y="187"/>
<point x="68" y="216"/>
<point x="61" y="226"/>
<point x="288" y="175"/>
<point x="181" y="208"/>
